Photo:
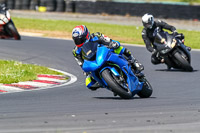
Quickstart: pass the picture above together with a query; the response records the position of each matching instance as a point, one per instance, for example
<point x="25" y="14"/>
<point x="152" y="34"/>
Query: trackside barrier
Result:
<point x="113" y="7"/>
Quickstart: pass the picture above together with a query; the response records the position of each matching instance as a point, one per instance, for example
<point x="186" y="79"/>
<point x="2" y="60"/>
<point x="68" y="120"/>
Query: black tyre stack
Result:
<point x="18" y="4"/>
<point x="49" y="4"/>
<point x="69" y="6"/>
<point x="25" y="4"/>
<point x="10" y="4"/>
<point x="60" y="5"/>
<point x="34" y="4"/>
<point x="2" y="1"/>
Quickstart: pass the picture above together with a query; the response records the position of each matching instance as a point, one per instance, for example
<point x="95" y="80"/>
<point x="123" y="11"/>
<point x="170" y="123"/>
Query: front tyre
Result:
<point x="183" y="62"/>
<point x="11" y="30"/>
<point x="114" y="86"/>
<point x="146" y="89"/>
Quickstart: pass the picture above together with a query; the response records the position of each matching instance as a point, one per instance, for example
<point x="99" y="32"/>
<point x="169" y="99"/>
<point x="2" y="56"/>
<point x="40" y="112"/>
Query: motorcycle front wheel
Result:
<point x="183" y="62"/>
<point x="11" y="30"/>
<point x="114" y="85"/>
<point x="147" y="90"/>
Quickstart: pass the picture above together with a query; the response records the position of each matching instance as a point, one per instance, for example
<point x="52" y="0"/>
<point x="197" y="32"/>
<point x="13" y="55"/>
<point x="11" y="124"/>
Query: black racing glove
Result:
<point x="98" y="34"/>
<point x="114" y="45"/>
<point x="175" y="33"/>
<point x="182" y="36"/>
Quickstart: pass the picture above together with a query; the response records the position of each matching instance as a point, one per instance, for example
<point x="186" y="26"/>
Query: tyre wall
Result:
<point x="113" y="8"/>
<point x="139" y="9"/>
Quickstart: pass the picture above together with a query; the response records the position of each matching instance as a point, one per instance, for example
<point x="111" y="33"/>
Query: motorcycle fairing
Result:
<point x="4" y="17"/>
<point x="133" y="82"/>
<point x="104" y="55"/>
<point x="8" y="15"/>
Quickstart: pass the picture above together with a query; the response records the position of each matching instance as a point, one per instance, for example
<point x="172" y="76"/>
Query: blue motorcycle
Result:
<point x="114" y="72"/>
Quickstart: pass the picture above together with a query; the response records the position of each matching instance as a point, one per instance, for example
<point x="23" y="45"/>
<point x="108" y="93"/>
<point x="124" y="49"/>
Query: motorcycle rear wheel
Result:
<point x="11" y="30"/>
<point x="183" y="62"/>
<point x="114" y="86"/>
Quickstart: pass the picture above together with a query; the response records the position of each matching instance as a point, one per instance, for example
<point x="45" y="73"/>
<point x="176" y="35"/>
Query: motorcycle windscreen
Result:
<point x="94" y="57"/>
<point x="89" y="50"/>
<point x="159" y="36"/>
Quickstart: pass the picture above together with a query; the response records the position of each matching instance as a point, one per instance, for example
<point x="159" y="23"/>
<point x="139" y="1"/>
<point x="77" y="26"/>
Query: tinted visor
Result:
<point x="148" y="25"/>
<point x="78" y="40"/>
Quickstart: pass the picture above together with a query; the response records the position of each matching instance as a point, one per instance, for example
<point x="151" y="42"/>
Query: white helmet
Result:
<point x="148" y="20"/>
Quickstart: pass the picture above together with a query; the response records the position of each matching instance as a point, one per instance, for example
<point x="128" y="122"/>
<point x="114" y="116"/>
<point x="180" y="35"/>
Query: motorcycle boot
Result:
<point x="135" y="64"/>
<point x="91" y="83"/>
<point x="159" y="58"/>
<point x="138" y="67"/>
<point x="188" y="48"/>
<point x="182" y="38"/>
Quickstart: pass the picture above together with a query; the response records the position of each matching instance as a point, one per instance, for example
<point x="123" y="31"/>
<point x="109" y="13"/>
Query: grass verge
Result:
<point x="14" y="71"/>
<point x="121" y="33"/>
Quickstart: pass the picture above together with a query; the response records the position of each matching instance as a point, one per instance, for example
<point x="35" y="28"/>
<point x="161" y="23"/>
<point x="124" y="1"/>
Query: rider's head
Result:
<point x="148" y="21"/>
<point x="80" y="35"/>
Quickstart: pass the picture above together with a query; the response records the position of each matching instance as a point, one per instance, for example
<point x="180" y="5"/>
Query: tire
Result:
<point x="10" y="4"/>
<point x="49" y="4"/>
<point x="184" y="64"/>
<point x="11" y="30"/>
<point x="70" y="6"/>
<point x="2" y="1"/>
<point x="26" y="4"/>
<point x="169" y="62"/>
<point x="146" y="89"/>
<point x="18" y="4"/>
<point x="33" y="4"/>
<point x="114" y="86"/>
<point x="60" y="6"/>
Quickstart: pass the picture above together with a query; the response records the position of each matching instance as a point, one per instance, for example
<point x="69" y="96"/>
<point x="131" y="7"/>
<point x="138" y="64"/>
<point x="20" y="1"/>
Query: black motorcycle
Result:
<point x="172" y="50"/>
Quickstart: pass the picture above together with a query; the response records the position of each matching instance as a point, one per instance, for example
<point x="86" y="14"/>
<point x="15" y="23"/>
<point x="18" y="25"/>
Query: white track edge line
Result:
<point x="71" y="80"/>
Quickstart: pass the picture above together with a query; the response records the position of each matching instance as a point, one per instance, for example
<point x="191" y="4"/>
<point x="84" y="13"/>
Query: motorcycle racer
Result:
<point x="148" y="35"/>
<point x="81" y="35"/>
<point x="7" y="27"/>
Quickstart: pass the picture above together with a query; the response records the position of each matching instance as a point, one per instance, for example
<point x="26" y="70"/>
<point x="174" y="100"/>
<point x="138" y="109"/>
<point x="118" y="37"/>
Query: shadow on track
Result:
<point x="174" y="70"/>
<point x="118" y="98"/>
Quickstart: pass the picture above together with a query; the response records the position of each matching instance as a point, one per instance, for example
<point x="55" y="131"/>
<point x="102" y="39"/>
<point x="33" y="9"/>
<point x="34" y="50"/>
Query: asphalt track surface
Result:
<point x="174" y="106"/>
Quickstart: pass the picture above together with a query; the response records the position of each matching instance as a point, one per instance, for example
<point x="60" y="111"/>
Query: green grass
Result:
<point x="14" y="71"/>
<point x="121" y="33"/>
<point x="192" y="38"/>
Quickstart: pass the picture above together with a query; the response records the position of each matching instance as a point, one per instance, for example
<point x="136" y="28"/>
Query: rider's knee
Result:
<point x="119" y="50"/>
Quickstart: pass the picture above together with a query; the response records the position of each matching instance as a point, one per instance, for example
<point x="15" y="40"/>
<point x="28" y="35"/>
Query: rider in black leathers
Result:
<point x="148" y="35"/>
